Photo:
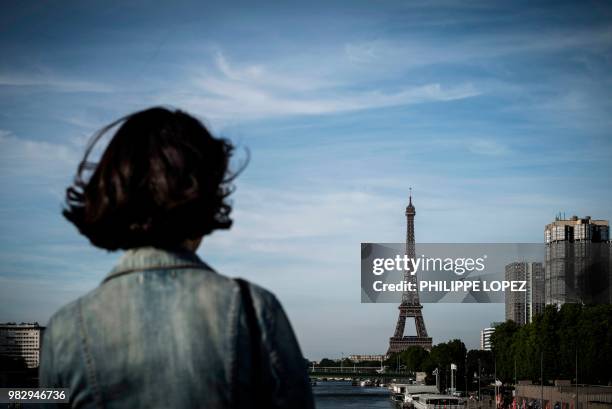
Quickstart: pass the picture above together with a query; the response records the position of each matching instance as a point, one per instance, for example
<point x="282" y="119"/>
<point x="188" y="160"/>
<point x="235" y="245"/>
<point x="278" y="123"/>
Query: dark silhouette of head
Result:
<point x="163" y="179"/>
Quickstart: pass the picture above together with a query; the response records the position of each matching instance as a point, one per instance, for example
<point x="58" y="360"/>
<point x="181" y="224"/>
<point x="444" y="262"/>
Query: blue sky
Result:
<point x="496" y="113"/>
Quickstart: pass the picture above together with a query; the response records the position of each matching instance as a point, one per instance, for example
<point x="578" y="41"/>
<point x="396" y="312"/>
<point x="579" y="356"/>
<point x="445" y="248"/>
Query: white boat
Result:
<point x="411" y="396"/>
<point x="413" y="389"/>
<point x="403" y="394"/>
<point x="366" y="383"/>
<point x="435" y="401"/>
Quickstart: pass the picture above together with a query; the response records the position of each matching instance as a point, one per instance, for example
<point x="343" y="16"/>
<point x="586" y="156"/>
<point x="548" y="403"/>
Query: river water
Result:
<point x="341" y="394"/>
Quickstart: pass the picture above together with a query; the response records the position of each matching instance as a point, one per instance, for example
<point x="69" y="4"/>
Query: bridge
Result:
<point x="363" y="372"/>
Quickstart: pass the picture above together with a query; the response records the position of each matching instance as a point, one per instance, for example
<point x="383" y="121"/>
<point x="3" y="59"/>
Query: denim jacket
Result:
<point x="164" y="330"/>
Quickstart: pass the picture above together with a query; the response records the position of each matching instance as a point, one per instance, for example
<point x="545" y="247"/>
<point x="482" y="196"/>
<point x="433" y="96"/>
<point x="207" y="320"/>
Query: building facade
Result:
<point x="366" y="358"/>
<point x="21" y="341"/>
<point x="521" y="307"/>
<point x="577" y="265"/>
<point x="485" y="338"/>
<point x="564" y="395"/>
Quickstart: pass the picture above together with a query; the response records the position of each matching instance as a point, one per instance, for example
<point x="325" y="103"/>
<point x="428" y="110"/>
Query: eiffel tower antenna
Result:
<point x="411" y="305"/>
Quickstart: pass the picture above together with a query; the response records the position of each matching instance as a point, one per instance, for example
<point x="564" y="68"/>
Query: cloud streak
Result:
<point x="54" y="83"/>
<point x="255" y="91"/>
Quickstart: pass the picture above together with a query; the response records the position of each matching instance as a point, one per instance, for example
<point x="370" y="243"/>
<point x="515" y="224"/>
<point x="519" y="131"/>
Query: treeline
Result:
<point x="326" y="362"/>
<point x="441" y="356"/>
<point x="557" y="338"/>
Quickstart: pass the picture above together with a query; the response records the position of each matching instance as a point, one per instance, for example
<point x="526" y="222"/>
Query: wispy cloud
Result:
<point x="256" y="91"/>
<point x="484" y="146"/>
<point x="54" y="83"/>
<point x="271" y="75"/>
<point x="29" y="158"/>
<point x="410" y="52"/>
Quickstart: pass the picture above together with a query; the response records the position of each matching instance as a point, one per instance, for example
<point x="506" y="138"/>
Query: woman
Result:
<point x="163" y="329"/>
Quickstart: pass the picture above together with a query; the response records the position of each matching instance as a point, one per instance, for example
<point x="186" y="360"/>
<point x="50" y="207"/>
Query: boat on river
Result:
<point x="427" y="401"/>
<point x="414" y="396"/>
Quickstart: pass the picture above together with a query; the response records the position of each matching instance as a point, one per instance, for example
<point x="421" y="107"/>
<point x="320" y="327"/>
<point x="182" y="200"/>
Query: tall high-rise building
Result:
<point x="485" y="338"/>
<point x="577" y="268"/>
<point x="22" y="342"/>
<point x="521" y="307"/>
<point x="411" y="305"/>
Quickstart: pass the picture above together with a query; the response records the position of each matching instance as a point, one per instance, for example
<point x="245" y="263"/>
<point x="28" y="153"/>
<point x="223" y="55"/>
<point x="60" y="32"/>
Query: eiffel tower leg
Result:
<point x="420" y="326"/>
<point x="399" y="327"/>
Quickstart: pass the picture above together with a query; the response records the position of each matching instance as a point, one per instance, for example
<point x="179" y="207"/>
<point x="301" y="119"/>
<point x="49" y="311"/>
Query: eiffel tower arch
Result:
<point x="411" y="305"/>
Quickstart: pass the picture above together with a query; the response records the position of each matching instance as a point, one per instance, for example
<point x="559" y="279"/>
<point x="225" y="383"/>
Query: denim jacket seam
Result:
<point x="51" y="369"/>
<point x="121" y="272"/>
<point x="271" y="319"/>
<point x="234" y="315"/>
<point x="89" y="359"/>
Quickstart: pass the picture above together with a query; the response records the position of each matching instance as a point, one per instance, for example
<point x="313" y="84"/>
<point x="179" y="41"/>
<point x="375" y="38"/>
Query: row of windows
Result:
<point x="579" y="232"/>
<point x="23" y="345"/>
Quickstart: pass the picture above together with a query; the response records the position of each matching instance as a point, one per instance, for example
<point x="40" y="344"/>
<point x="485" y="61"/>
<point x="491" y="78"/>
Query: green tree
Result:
<point x="479" y="359"/>
<point x="503" y="354"/>
<point x="414" y="358"/>
<point x="328" y="362"/>
<point x="558" y="337"/>
<point x="442" y="356"/>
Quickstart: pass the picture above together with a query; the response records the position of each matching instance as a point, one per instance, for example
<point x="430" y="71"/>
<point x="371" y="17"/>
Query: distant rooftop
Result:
<point x="21" y="325"/>
<point x="562" y="221"/>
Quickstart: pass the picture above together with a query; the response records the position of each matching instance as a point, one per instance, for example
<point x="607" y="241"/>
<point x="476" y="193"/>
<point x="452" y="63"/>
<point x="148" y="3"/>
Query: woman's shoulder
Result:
<point x="259" y="294"/>
<point x="62" y="336"/>
<point x="266" y="305"/>
<point x="64" y="321"/>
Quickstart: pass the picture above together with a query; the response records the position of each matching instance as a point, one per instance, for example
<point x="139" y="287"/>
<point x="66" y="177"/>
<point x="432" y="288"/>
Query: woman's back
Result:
<point x="164" y="330"/>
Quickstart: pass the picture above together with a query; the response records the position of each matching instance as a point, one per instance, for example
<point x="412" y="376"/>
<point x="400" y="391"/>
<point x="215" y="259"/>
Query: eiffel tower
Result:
<point x="411" y="305"/>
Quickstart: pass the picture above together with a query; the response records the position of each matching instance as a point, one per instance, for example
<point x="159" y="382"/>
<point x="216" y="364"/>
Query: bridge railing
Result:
<point x="345" y="369"/>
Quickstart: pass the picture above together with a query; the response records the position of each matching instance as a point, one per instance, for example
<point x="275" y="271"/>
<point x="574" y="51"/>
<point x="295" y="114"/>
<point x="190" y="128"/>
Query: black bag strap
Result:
<point x="255" y="342"/>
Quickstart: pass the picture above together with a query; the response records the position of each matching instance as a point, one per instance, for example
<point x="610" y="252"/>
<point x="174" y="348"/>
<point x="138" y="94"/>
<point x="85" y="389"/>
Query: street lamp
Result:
<point x="453" y="369"/>
<point x="542" y="379"/>
<point x="478" y="378"/>
<point x="465" y="369"/>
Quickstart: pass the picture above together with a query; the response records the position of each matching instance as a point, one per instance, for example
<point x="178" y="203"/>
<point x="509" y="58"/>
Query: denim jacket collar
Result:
<point x="152" y="258"/>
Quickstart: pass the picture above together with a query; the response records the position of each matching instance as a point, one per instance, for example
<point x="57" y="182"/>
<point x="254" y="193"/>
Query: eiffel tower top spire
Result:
<point x="410" y="210"/>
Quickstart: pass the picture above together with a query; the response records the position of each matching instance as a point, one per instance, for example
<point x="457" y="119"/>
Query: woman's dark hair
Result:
<point x="162" y="179"/>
